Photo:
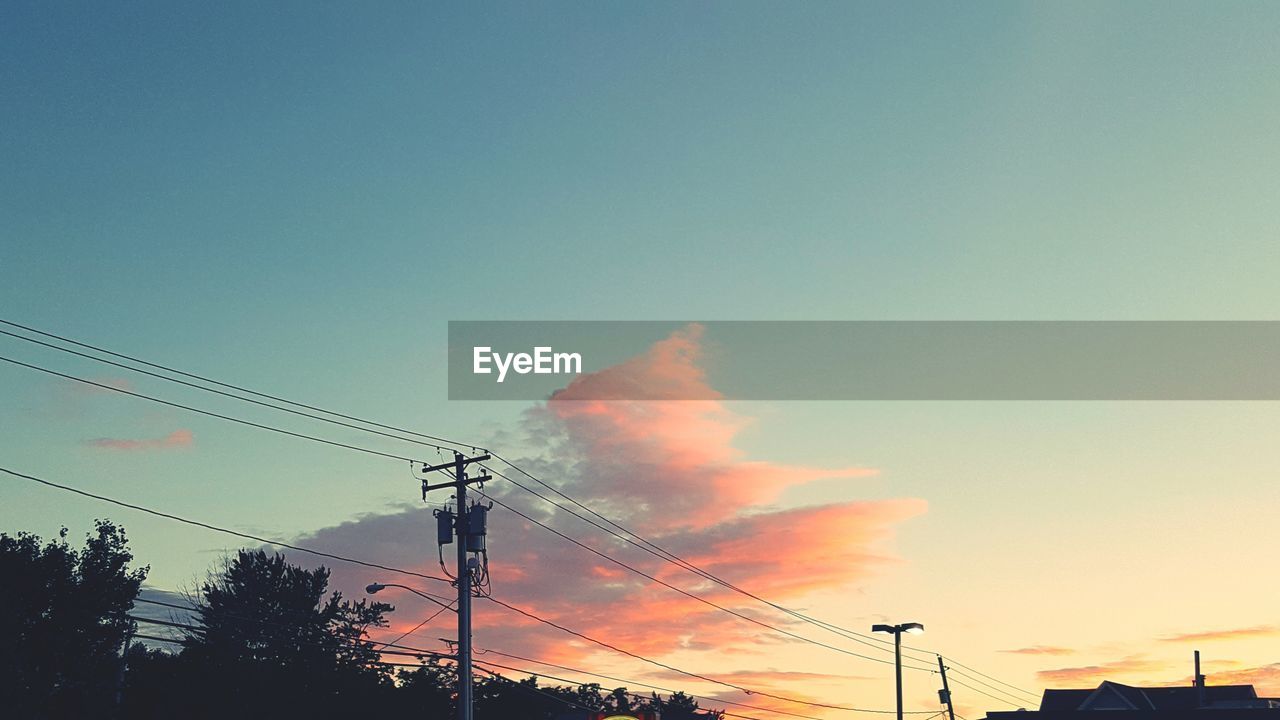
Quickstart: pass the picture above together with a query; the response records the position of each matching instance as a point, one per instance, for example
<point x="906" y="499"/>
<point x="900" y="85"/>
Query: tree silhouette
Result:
<point x="64" y="619"/>
<point x="272" y="642"/>
<point x="268" y="640"/>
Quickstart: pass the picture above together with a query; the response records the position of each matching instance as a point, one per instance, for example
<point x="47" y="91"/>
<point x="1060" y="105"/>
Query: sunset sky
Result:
<point x="298" y="198"/>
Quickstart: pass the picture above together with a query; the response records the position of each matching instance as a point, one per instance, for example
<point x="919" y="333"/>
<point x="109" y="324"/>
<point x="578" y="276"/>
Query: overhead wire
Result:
<point x="208" y="413"/>
<point x="367" y="450"/>
<point x="696" y="676"/>
<point x="215" y="528"/>
<point x="501" y="603"/>
<point x="639" y="540"/>
<point x="686" y="593"/>
<point x="220" y="383"/>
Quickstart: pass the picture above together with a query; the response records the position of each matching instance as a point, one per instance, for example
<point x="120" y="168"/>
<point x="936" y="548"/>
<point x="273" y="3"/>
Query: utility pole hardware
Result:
<point x="469" y="526"/>
<point x="945" y="693"/>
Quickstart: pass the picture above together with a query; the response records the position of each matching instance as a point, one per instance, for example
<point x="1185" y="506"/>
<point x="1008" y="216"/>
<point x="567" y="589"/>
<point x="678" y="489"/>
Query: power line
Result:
<point x="682" y="591"/>
<point x="419" y="626"/>
<point x="1015" y="687"/>
<point x="209" y="413"/>
<point x="659" y="688"/>
<point x="629" y="694"/>
<point x="268" y="621"/>
<point x="198" y="629"/>
<point x="643" y="543"/>
<point x="672" y="558"/>
<point x="983" y="692"/>
<point x="686" y="673"/>
<point x="219" y="383"/>
<point x="215" y="528"/>
<point x="955" y="673"/>
<point x="354" y="447"/>
<point x="534" y="689"/>
<point x="513" y="608"/>
<point x="669" y="557"/>
<point x="414" y="651"/>
<point x="220" y="392"/>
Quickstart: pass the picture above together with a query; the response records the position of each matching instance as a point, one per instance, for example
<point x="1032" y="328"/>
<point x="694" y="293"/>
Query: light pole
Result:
<point x="896" y="631"/>
<point x="377" y="587"/>
<point x="464" y="679"/>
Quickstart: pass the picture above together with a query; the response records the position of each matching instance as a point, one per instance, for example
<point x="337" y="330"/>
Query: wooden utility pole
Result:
<point x="463" y="533"/>
<point x="945" y="693"/>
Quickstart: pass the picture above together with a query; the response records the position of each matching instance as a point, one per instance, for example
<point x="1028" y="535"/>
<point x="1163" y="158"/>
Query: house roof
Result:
<point x="1116" y="695"/>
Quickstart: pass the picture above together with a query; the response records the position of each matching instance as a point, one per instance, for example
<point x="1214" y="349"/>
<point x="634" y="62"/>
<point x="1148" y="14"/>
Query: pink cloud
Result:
<point x="669" y="469"/>
<point x="177" y="439"/>
<point x="1041" y="650"/>
<point x="1235" y="634"/>
<point x="670" y="370"/>
<point x="1090" y="675"/>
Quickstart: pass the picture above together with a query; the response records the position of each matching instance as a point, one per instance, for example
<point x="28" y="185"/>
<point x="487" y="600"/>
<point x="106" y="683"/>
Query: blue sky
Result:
<point x="299" y="196"/>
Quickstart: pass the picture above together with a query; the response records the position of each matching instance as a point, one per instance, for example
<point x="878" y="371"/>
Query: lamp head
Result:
<point x="912" y="628"/>
<point x="882" y="628"/>
<point x="373" y="588"/>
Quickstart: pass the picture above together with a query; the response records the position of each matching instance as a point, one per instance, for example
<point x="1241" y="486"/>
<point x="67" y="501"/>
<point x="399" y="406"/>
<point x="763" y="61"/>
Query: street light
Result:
<point x="464" y="671"/>
<point x="373" y="588"/>
<point x="897" y="630"/>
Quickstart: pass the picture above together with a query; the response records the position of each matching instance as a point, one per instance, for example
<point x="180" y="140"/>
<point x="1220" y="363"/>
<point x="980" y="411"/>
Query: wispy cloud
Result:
<point x="1041" y="650"/>
<point x="177" y="439"/>
<point x="118" y="383"/>
<point x="768" y="677"/>
<point x="1264" y="678"/>
<point x="1235" y="634"/>
<point x="1089" y="675"/>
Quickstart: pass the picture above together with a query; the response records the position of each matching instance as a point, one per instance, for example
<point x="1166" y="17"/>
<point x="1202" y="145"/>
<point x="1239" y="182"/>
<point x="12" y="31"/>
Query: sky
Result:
<point x="298" y="198"/>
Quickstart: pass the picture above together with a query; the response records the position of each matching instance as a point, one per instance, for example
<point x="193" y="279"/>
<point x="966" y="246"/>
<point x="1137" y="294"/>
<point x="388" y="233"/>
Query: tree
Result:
<point x="64" y="618"/>
<point x="270" y="642"/>
<point x="679" y="706"/>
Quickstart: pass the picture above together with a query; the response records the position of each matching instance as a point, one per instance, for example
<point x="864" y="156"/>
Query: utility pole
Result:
<point x="462" y="529"/>
<point x="945" y="693"/>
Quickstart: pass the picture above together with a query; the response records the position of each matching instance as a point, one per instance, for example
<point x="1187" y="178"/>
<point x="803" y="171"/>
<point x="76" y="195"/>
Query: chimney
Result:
<point x="1199" y="683"/>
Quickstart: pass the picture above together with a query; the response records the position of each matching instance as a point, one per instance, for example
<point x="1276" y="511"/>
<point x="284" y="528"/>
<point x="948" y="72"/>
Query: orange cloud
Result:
<point x="768" y="678"/>
<point x="174" y="440"/>
<point x="668" y="464"/>
<point x="1090" y="675"/>
<point x="1040" y="650"/>
<point x="670" y="370"/>
<point x="1265" y="679"/>
<point x="1236" y="634"/>
<point x="669" y="469"/>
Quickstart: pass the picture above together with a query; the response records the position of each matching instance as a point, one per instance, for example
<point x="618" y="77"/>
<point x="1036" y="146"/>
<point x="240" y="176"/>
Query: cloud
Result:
<point x="1091" y="675"/>
<point x="1236" y="634"/>
<point x="118" y="383"/>
<point x="1265" y="679"/>
<point x="670" y="370"/>
<point x="178" y="439"/>
<point x="1040" y="650"/>
<point x="768" y="678"/>
<point x="670" y="470"/>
